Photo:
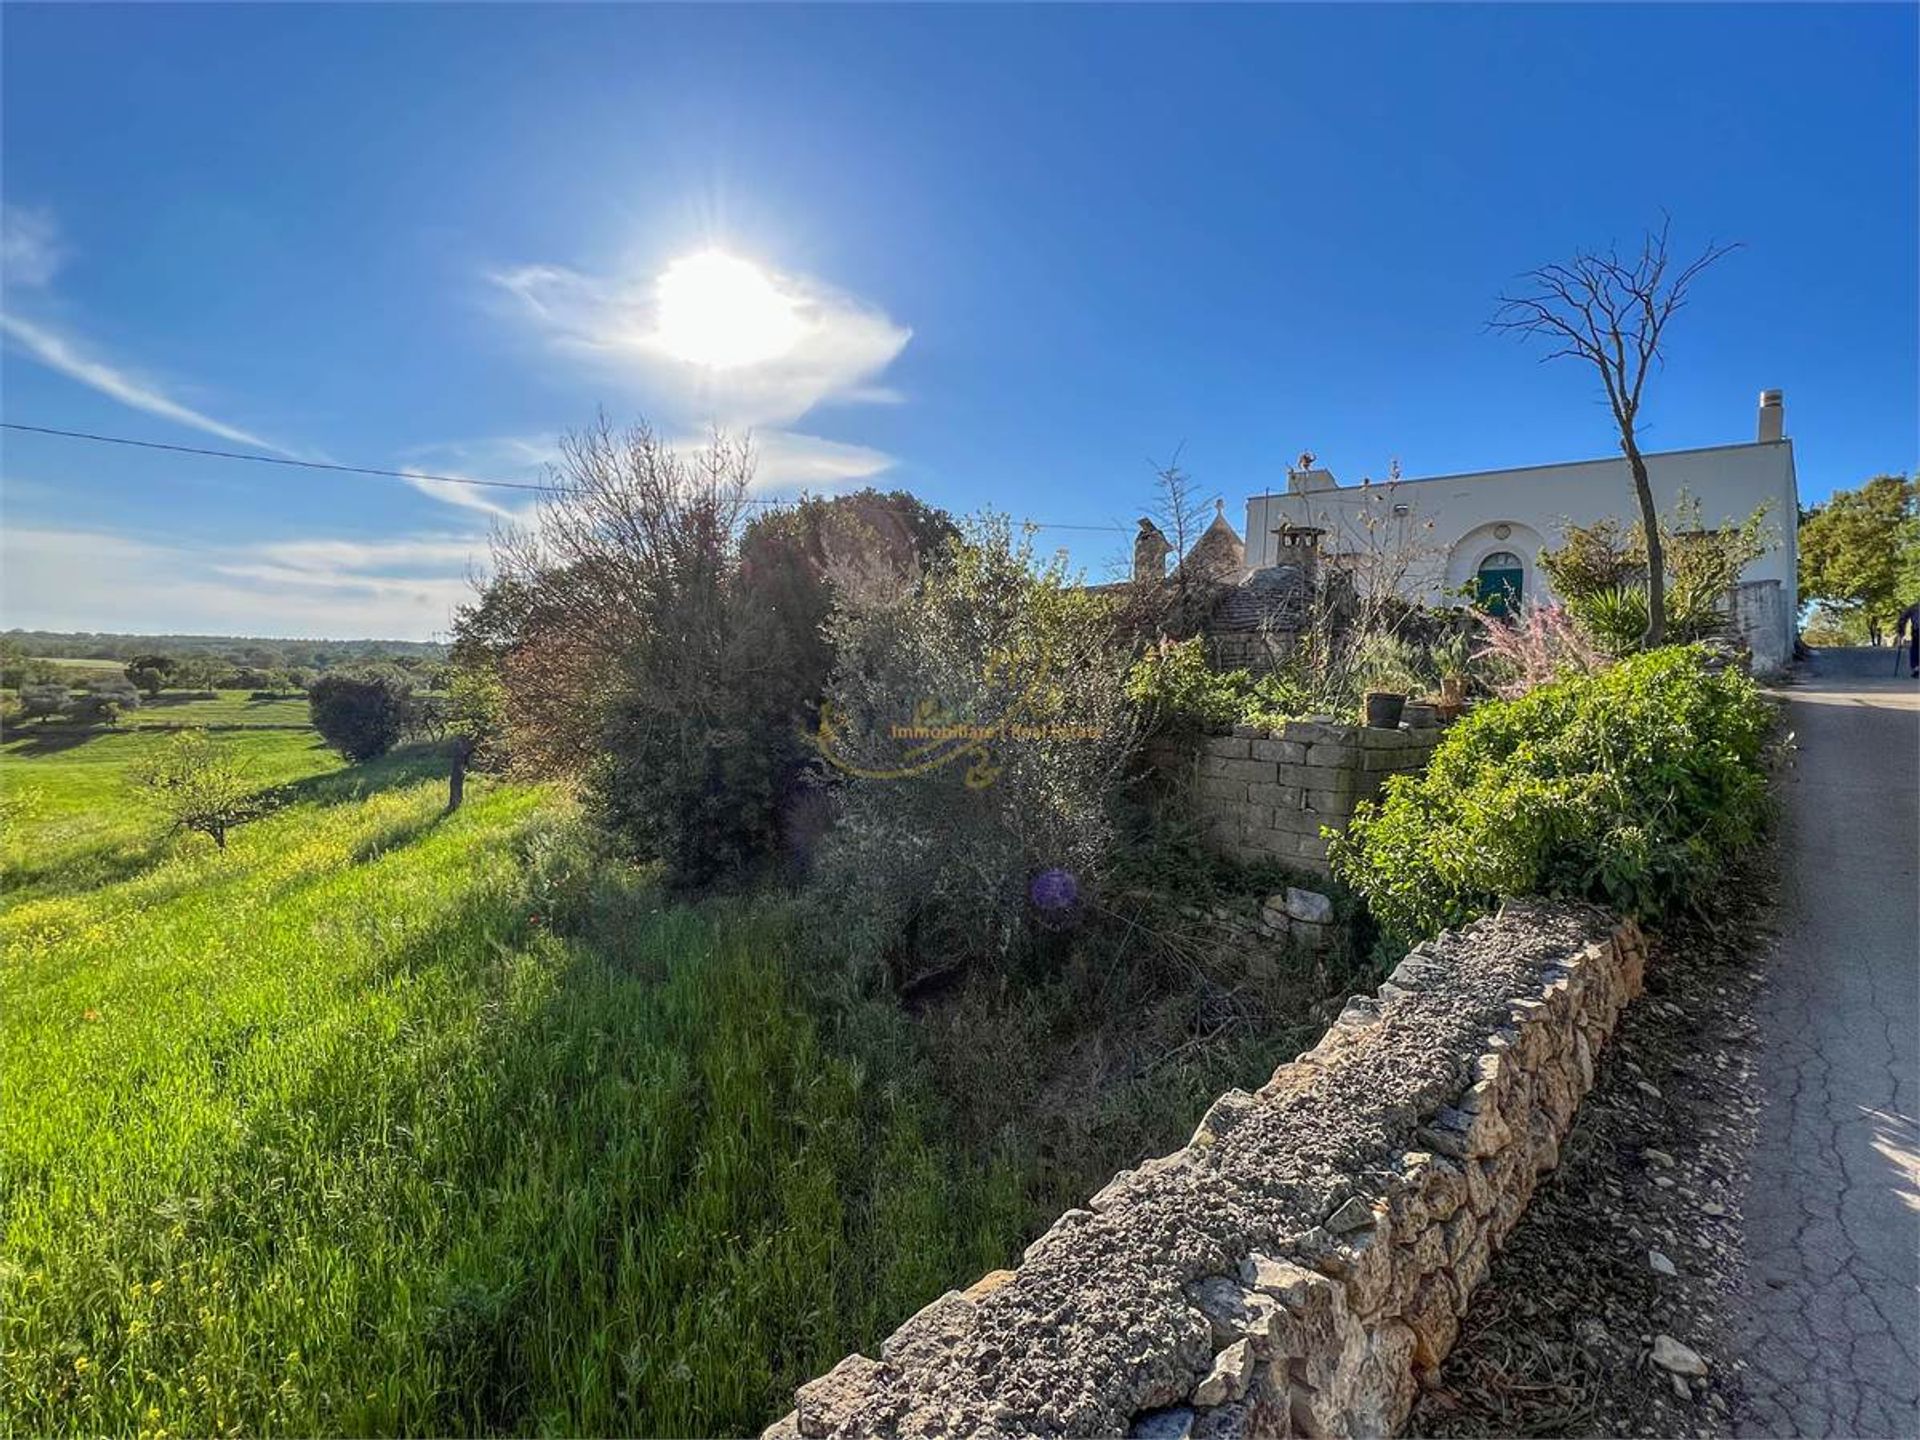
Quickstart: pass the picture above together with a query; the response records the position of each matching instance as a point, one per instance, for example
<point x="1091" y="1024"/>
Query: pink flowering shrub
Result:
<point x="1539" y="646"/>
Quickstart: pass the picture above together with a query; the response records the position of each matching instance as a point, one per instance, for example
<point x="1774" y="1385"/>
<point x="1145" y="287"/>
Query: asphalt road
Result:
<point x="1830" y="1318"/>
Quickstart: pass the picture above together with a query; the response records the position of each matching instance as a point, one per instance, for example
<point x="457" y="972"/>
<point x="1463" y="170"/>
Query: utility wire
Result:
<point x="369" y="469"/>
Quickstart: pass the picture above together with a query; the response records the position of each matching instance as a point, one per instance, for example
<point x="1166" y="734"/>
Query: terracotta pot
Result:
<point x="1453" y="690"/>
<point x="1383" y="709"/>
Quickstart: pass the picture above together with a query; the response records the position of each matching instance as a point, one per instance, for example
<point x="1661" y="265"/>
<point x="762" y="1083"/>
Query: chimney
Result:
<point x="1299" y="545"/>
<point x="1150" y="551"/>
<point x="1773" y="416"/>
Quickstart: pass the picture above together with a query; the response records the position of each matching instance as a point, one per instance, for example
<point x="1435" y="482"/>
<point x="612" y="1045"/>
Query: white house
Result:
<point x="1486" y="529"/>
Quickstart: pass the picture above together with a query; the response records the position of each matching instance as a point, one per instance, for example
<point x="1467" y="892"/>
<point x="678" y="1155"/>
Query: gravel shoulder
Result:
<point x="1633" y="1244"/>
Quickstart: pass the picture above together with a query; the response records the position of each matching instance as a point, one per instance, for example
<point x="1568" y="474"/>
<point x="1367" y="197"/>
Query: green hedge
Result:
<point x="1631" y="787"/>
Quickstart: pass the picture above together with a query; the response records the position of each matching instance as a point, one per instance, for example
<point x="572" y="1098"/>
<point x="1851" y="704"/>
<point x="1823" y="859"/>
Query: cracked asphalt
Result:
<point x="1828" y="1321"/>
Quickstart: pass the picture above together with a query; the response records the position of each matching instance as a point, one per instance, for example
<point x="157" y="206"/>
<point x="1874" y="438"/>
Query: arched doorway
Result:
<point x="1500" y="583"/>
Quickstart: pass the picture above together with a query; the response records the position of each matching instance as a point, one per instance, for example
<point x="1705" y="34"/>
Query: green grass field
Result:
<point x="82" y="670"/>
<point x="389" y="1121"/>
<point x="227" y="708"/>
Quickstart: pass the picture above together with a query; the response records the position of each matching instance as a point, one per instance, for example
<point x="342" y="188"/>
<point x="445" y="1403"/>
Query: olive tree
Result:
<point x="979" y="727"/>
<point x="44" y="701"/>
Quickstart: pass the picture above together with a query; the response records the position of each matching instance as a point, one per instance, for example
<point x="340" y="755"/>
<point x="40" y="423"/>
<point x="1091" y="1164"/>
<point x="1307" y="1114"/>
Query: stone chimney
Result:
<point x="1773" y="416"/>
<point x="1299" y="545"/>
<point x="1150" y="551"/>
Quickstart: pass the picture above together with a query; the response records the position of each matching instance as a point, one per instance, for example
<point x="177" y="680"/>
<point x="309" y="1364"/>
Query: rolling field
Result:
<point x="227" y="708"/>
<point x="390" y="1121"/>
<point x="69" y="823"/>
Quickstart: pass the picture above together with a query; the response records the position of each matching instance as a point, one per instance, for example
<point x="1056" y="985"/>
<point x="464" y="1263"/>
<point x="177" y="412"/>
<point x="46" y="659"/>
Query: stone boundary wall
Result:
<point x="1264" y="795"/>
<point x="1297" y="1266"/>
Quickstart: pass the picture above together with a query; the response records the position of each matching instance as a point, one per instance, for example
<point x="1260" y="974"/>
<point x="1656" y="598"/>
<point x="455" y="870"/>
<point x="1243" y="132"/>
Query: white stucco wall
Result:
<point x="1450" y="523"/>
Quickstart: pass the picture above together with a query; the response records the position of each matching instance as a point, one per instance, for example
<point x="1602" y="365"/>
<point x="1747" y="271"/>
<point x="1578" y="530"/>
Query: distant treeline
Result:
<point x="254" y="651"/>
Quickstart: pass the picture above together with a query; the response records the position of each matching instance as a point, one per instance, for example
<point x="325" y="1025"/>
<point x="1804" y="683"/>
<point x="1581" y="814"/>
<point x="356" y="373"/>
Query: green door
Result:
<point x="1502" y="580"/>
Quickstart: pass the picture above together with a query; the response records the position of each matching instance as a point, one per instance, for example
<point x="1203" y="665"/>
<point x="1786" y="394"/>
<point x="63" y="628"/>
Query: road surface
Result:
<point x="1829" y="1324"/>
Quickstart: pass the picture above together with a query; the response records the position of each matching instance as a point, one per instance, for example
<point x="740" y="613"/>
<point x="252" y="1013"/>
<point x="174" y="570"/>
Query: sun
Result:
<point x="723" y="312"/>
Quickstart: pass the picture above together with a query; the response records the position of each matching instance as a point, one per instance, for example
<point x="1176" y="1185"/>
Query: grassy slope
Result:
<point x="387" y="1121"/>
<point x="70" y="822"/>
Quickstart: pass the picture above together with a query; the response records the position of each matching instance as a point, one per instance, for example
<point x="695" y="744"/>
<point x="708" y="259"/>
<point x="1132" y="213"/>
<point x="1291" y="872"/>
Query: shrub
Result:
<point x="1630" y="786"/>
<point x="361" y="716"/>
<point x="1174" y="689"/>
<point x="1599" y="572"/>
<point x="1540" y="645"/>
<point x="1384" y="661"/>
<point x="653" y="646"/>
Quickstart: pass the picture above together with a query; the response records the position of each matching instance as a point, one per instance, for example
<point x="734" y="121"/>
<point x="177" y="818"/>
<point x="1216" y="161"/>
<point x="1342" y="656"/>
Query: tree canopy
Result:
<point x="1860" y="555"/>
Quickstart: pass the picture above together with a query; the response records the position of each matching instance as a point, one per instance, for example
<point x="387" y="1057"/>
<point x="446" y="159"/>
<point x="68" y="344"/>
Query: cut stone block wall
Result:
<point x="1265" y="795"/>
<point x="1309" y="1253"/>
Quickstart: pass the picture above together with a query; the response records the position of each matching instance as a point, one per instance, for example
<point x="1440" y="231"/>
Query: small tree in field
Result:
<point x="44" y="701"/>
<point x="1613" y="313"/>
<point x="150" y="672"/>
<point x="198" y="783"/>
<point x="105" y="701"/>
<point x="360" y="716"/>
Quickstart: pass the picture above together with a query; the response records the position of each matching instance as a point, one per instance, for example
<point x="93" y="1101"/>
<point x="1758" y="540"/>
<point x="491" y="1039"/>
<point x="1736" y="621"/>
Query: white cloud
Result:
<point x="835" y="351"/>
<point x="30" y="248"/>
<point x="57" y="352"/>
<point x="517" y="458"/>
<point x="404" y="589"/>
<point x="785" y="459"/>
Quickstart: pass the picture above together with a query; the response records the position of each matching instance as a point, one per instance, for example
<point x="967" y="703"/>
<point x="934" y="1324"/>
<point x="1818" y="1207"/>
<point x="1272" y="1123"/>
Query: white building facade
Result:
<point x="1440" y="535"/>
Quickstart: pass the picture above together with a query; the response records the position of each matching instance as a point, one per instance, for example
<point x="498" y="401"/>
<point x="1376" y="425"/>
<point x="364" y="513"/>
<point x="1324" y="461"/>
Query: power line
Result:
<point x="271" y="459"/>
<point x="371" y="469"/>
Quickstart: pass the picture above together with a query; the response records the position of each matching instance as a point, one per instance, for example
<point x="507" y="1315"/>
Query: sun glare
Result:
<point x="723" y="312"/>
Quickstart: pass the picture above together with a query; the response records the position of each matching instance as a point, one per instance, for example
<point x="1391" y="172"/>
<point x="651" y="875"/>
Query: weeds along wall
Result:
<point x="1265" y="795"/>
<point x="1308" y="1255"/>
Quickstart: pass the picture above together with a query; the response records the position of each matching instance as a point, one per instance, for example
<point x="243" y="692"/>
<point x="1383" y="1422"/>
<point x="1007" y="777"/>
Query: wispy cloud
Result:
<point x="519" y="458"/>
<point x="840" y="345"/>
<point x="71" y="579"/>
<point x="31" y="251"/>
<point x="58" y="352"/>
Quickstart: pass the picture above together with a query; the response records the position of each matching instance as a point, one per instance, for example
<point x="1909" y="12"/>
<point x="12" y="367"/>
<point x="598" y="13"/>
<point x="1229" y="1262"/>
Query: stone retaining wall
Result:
<point x="1265" y="795"/>
<point x="1297" y="1266"/>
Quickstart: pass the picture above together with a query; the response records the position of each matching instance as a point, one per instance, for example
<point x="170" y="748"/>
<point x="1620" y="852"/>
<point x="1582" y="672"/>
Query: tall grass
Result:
<point x="389" y="1121"/>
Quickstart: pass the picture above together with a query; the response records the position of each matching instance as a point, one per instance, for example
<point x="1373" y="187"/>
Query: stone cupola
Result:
<point x="1219" y="554"/>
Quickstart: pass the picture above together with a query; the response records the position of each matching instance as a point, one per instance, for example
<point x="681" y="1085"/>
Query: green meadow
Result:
<point x="390" y="1121"/>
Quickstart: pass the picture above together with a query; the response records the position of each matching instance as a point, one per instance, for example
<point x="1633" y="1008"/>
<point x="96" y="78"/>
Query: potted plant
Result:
<point x="1384" y="672"/>
<point x="1454" y="656"/>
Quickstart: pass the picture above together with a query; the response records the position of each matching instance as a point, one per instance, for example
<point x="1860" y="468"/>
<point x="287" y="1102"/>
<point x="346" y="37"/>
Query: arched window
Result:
<point x="1501" y="582"/>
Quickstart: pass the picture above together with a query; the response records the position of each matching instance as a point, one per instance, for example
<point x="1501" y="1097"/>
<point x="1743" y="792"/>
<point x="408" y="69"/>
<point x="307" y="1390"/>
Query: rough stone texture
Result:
<point x="1828" y="1321"/>
<point x="1308" y="1256"/>
<point x="1270" y="796"/>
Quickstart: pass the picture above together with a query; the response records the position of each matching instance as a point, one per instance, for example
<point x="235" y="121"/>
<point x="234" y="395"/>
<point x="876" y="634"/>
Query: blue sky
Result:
<point x="1034" y="249"/>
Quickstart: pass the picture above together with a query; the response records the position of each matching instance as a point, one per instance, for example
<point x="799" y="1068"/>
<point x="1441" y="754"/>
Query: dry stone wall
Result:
<point x="1309" y="1253"/>
<point x="1266" y="795"/>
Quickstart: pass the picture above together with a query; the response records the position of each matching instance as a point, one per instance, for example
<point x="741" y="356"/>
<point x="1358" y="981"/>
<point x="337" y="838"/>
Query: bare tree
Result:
<point x="1612" y="313"/>
<point x="1180" y="512"/>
